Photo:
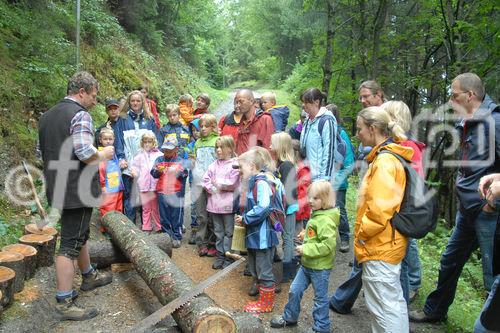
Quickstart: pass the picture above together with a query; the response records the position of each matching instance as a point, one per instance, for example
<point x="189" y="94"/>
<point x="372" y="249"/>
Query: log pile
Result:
<point x="165" y="279"/>
<point x="103" y="253"/>
<point x="29" y="253"/>
<point x="7" y="276"/>
<point x="45" y="246"/>
<point x="14" y="261"/>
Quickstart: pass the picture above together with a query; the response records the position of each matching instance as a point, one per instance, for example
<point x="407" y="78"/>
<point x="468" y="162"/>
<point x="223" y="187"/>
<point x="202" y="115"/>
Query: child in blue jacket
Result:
<point x="261" y="238"/>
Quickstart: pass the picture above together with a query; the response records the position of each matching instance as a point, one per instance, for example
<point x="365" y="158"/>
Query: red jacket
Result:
<point x="171" y="174"/>
<point x="416" y="160"/>
<point x="303" y="182"/>
<point x="228" y="126"/>
<point x="154" y="112"/>
<point x="255" y="132"/>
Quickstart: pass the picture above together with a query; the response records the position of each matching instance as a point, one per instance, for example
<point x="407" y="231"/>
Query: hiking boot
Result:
<point x="202" y="251"/>
<point x="344" y="246"/>
<point x="247" y="272"/>
<point x="279" y="322"/>
<point x="67" y="309"/>
<point x="254" y="290"/>
<point x="227" y="262"/>
<point x="192" y="237"/>
<point x="419" y="316"/>
<point x="211" y="252"/>
<point x="95" y="279"/>
<point x="218" y="263"/>
<point x="176" y="243"/>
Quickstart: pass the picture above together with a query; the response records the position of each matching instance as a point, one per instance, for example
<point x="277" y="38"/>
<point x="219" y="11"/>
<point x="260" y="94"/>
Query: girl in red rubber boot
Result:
<point x="261" y="238"/>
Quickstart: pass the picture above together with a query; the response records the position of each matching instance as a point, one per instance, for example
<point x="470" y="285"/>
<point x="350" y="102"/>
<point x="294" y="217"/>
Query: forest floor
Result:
<point x="128" y="300"/>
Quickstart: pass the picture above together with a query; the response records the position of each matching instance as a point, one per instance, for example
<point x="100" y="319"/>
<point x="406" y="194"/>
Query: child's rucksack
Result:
<point x="277" y="212"/>
<point x="417" y="215"/>
<point x="341" y="151"/>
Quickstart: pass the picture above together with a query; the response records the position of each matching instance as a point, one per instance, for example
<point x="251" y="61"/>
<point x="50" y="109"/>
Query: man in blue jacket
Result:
<point x="476" y="220"/>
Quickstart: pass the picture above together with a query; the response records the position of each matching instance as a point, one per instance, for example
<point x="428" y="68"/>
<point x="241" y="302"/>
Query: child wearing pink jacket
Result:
<point x="141" y="166"/>
<point x="220" y="181"/>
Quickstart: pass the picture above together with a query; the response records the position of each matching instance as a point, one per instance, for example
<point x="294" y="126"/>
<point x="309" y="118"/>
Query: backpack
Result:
<point x="277" y="212"/>
<point x="417" y="215"/>
<point x="341" y="151"/>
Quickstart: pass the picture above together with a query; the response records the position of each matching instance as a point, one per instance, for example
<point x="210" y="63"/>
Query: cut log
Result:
<point x="29" y="253"/>
<point x="45" y="246"/>
<point x="14" y="261"/>
<point x="104" y="253"/>
<point x="7" y="277"/>
<point x="33" y="229"/>
<point x="165" y="279"/>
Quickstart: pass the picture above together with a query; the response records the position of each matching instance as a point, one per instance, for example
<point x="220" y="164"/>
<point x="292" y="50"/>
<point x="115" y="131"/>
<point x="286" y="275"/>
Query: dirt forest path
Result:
<point x="128" y="299"/>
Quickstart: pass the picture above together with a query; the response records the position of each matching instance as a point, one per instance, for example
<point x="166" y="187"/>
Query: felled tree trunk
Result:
<point x="14" y="261"/>
<point x="7" y="276"/>
<point x="45" y="246"/>
<point x="103" y="253"/>
<point x="165" y="279"/>
<point x="29" y="253"/>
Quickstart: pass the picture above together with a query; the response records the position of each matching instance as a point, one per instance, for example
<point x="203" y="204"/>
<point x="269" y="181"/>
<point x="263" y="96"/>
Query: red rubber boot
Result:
<point x="265" y="303"/>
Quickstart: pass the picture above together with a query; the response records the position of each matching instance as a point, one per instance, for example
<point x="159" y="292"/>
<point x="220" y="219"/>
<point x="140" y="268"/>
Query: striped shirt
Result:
<point x="82" y="132"/>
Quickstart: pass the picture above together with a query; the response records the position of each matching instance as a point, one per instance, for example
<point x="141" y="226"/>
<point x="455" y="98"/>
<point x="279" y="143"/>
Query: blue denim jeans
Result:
<point x="469" y="233"/>
<point x="410" y="269"/>
<point x="414" y="266"/>
<point x="495" y="289"/>
<point x="344" y="297"/>
<point x="128" y="202"/>
<point x="319" y="280"/>
<point x="344" y="222"/>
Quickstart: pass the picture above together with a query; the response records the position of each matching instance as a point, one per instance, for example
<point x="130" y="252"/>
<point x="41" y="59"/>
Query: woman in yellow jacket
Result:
<point x="377" y="246"/>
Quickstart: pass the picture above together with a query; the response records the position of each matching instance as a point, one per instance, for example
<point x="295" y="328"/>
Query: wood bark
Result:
<point x="103" y="253"/>
<point x="7" y="276"/>
<point x="45" y="246"/>
<point x="165" y="279"/>
<point x="14" y="261"/>
<point x="29" y="253"/>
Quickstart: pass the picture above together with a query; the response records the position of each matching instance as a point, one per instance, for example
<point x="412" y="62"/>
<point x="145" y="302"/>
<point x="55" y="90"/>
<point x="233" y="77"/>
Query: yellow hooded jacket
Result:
<point x="380" y="196"/>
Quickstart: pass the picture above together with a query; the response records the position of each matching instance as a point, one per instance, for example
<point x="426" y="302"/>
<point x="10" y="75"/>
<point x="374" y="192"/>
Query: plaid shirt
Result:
<point x="82" y="132"/>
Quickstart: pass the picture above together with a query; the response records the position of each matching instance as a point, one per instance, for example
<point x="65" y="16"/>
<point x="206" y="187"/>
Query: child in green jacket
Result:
<point x="318" y="254"/>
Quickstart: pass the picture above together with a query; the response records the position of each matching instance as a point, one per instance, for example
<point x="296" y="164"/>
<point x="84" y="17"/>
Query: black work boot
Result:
<point x="68" y="309"/>
<point x="95" y="279"/>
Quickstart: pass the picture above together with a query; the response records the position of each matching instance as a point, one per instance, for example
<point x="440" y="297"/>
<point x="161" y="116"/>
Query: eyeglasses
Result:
<point x="455" y="95"/>
<point x="364" y="97"/>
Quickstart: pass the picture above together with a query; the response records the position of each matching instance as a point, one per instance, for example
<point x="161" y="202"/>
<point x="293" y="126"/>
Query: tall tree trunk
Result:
<point x="378" y="26"/>
<point x="330" y="34"/>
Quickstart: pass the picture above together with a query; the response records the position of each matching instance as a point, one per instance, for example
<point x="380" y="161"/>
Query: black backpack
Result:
<point x="417" y="215"/>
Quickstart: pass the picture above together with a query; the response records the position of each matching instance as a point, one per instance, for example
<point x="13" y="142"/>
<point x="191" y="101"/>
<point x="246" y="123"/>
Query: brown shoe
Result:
<point x="419" y="316"/>
<point x="95" y="279"/>
<point x="68" y="309"/>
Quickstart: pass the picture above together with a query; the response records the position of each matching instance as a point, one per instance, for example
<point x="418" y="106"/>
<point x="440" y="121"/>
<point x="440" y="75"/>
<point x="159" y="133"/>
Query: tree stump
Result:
<point x="14" y="261"/>
<point x="165" y="279"/>
<point x="29" y="253"/>
<point x="33" y="229"/>
<point x="45" y="246"/>
<point x="7" y="276"/>
<point x="104" y="253"/>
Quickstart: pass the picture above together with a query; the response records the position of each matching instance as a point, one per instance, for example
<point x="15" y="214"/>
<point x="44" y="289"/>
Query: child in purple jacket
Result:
<point x="220" y="181"/>
<point x="140" y="169"/>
